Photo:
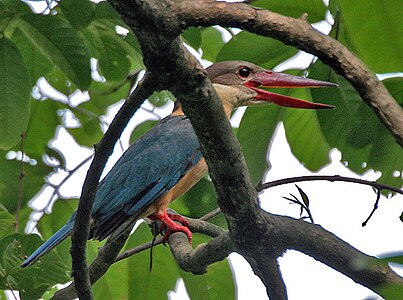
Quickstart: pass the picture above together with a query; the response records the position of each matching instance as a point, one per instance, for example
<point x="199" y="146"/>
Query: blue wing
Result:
<point x="149" y="168"/>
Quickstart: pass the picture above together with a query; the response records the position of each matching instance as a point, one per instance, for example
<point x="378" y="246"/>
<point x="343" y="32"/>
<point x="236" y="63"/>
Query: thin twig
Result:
<point x="376" y="185"/>
<point x="378" y="197"/>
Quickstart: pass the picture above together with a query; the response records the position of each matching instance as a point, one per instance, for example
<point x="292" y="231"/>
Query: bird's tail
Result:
<point x="52" y="242"/>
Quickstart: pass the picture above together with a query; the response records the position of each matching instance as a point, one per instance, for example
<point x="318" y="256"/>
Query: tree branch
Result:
<point x="300" y="34"/>
<point x="102" y="152"/>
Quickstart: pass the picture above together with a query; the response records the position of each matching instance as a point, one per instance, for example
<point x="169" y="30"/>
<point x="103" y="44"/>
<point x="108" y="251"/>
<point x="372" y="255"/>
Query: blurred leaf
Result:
<point x="212" y="43"/>
<point x="263" y="51"/>
<point x="88" y="134"/>
<point x="59" y="81"/>
<point x="363" y="144"/>
<point x="304" y="134"/>
<point x="159" y="99"/>
<point x="50" y="223"/>
<point x="395" y="87"/>
<point x="32" y="281"/>
<point x="70" y="9"/>
<point x="114" y="62"/>
<point x="41" y="128"/>
<point x="315" y="9"/>
<point x="217" y="283"/>
<point x="193" y="37"/>
<point x="104" y="94"/>
<point x="391" y="291"/>
<point x="142" y="129"/>
<point x="156" y="283"/>
<point x="37" y="64"/>
<point x="59" y="42"/>
<point x="15" y="92"/>
<point x="383" y="53"/>
<point x="7" y="222"/>
<point x="10" y="172"/>
<point x="103" y="10"/>
<point x="255" y="133"/>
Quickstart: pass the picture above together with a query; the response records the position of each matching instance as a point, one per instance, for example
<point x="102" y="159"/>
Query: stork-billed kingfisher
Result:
<point x="166" y="161"/>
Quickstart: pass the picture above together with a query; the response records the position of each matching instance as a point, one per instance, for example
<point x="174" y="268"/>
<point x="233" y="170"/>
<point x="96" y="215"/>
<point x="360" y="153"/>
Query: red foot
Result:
<point x="169" y="221"/>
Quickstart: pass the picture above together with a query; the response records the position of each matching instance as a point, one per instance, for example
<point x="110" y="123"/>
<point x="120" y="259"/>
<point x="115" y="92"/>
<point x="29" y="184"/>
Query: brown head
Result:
<point x="237" y="84"/>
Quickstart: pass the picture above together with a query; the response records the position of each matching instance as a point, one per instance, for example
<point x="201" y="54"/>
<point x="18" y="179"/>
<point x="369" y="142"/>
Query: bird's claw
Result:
<point x="171" y="226"/>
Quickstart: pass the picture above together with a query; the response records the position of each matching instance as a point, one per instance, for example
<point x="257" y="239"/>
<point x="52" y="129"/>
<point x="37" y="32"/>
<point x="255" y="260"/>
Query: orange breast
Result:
<point x="187" y="181"/>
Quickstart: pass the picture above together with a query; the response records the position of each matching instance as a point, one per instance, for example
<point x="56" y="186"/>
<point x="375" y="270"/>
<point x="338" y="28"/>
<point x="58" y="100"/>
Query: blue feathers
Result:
<point x="151" y="166"/>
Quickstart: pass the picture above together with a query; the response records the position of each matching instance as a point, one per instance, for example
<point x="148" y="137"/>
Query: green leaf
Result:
<point x="32" y="281"/>
<point x="378" y="43"/>
<point x="88" y="134"/>
<point x="70" y="9"/>
<point x="41" y="128"/>
<point x="37" y="64"/>
<point x="15" y="94"/>
<point x="103" y="10"/>
<point x="212" y="43"/>
<point x="305" y="136"/>
<point x="10" y="172"/>
<point x="156" y="283"/>
<point x="50" y="223"/>
<point x="7" y="222"/>
<point x="315" y="9"/>
<point x="255" y="133"/>
<point x="142" y="129"/>
<point x="355" y="130"/>
<point x="114" y="63"/>
<point x="263" y="51"/>
<point x="159" y="99"/>
<point x="217" y="283"/>
<point x="304" y="196"/>
<point x="104" y="94"/>
<point x="59" y="42"/>
<point x="193" y="37"/>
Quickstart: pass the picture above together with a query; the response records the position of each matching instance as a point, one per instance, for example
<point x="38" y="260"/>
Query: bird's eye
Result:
<point x="244" y="72"/>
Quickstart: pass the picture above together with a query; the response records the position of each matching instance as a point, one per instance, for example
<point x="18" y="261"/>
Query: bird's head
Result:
<point x="237" y="84"/>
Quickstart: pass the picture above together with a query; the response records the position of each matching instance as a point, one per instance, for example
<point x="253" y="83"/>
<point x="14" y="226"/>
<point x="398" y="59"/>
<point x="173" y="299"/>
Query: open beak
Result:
<point x="279" y="80"/>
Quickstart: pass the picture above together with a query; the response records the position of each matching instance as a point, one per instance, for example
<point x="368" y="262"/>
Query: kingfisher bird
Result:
<point x="167" y="161"/>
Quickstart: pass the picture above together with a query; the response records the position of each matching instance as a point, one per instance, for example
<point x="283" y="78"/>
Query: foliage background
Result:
<point x="87" y="55"/>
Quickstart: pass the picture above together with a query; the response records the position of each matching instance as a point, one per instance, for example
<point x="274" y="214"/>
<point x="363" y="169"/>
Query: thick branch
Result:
<point x="327" y="248"/>
<point x="102" y="152"/>
<point x="300" y="34"/>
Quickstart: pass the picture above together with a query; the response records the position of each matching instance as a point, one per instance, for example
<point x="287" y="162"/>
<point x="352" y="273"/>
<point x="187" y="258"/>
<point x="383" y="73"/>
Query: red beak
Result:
<point x="279" y="80"/>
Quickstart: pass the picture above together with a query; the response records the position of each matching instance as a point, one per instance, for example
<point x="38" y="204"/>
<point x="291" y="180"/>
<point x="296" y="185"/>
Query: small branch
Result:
<point x="378" y="196"/>
<point x="376" y="185"/>
<point x="102" y="152"/>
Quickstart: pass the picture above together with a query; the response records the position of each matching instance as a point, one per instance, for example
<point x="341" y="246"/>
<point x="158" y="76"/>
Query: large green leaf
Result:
<point x="59" y="42"/>
<point x="41" y="128"/>
<point x="212" y="42"/>
<point x="193" y="37"/>
<point x="7" y="222"/>
<point x="10" y="172"/>
<point x="38" y="65"/>
<point x="32" y="281"/>
<point x="263" y="51"/>
<point x="356" y="131"/>
<point x="305" y="136"/>
<point x="375" y="29"/>
<point x="77" y="20"/>
<point x="217" y="283"/>
<point x="315" y="9"/>
<point x="15" y="94"/>
<point x="255" y="133"/>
